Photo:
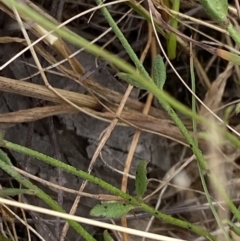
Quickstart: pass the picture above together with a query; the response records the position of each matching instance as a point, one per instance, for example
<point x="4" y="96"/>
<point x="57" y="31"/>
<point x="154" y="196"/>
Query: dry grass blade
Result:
<point x="102" y="142"/>
<point x="105" y="103"/>
<point x="25" y="223"/>
<point x="149" y="123"/>
<point x="34" y="114"/>
<point x="128" y="163"/>
<point x="214" y="95"/>
<point x="217" y="162"/>
<point x="89" y="221"/>
<point x="54" y="186"/>
<point x="43" y="93"/>
<point x="52" y="39"/>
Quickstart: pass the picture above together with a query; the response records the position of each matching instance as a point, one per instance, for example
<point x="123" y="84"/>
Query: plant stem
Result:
<point x="167" y="218"/>
<point x="172" y="38"/>
<point x="46" y="198"/>
<point x="123" y="40"/>
<point x="215" y="214"/>
<point x="91" y="48"/>
<point x="163" y="97"/>
<point x="218" y="11"/>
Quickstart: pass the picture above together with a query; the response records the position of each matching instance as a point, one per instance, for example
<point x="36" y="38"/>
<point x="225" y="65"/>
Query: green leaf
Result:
<point x="237" y="109"/>
<point x="111" y="209"/>
<point x="141" y="178"/>
<point x="6" y="192"/>
<point x="4" y="157"/>
<point x="159" y="72"/>
<point x="130" y="80"/>
<point x="216" y="9"/>
<point x="107" y="236"/>
<point x="172" y="37"/>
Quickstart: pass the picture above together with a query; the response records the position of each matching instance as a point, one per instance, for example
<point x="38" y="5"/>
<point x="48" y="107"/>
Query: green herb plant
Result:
<point x="136" y="202"/>
<point x="135" y="76"/>
<point x="118" y="209"/>
<point x="218" y="11"/>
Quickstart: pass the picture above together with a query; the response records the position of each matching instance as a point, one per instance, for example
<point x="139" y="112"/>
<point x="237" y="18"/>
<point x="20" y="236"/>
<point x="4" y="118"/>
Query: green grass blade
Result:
<point x="172" y="37"/>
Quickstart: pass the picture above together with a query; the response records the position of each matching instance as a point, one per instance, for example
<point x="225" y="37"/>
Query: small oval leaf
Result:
<point x="107" y="236"/>
<point x="111" y="209"/>
<point x="141" y="178"/>
<point x="216" y="9"/>
<point x="159" y="71"/>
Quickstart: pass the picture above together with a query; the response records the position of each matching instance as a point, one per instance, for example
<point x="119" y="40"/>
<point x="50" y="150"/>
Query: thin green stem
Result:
<point x="223" y="193"/>
<point x="144" y="14"/>
<point x="172" y="37"/>
<point x="123" y="40"/>
<point x="166" y="100"/>
<point x="46" y="198"/>
<point x="91" y="48"/>
<point x="109" y="187"/>
<point x="215" y="214"/>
